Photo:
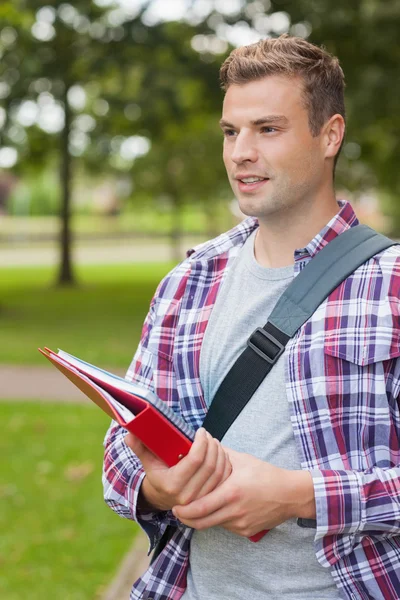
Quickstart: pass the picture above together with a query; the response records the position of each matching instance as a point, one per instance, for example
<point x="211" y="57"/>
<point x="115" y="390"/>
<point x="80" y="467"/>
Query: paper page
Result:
<point x="106" y="376"/>
<point x="124" y="412"/>
<point x="135" y="391"/>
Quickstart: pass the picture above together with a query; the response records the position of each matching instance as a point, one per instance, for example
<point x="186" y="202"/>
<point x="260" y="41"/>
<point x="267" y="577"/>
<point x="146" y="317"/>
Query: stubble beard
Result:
<point x="262" y="206"/>
<point x="277" y="205"/>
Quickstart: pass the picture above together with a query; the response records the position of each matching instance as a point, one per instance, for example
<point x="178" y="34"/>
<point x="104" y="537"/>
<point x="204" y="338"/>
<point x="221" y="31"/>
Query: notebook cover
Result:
<point x="155" y="431"/>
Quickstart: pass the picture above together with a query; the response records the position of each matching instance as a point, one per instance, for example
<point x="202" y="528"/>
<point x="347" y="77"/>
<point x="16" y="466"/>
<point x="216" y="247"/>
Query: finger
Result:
<point x="228" y="467"/>
<point x="203" y="507"/>
<point x="203" y="474"/>
<point x="193" y="461"/>
<point x="134" y="444"/>
<point x="218" y="474"/>
<point x="219" y="517"/>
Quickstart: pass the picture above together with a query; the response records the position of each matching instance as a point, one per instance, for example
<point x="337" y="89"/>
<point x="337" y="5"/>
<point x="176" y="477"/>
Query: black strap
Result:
<point x="264" y="347"/>
<point x="332" y="265"/>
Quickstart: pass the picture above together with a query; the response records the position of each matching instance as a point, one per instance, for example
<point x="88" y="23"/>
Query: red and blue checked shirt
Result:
<point x="342" y="373"/>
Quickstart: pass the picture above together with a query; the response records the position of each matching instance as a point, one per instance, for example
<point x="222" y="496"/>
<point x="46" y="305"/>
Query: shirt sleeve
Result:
<point x="351" y="505"/>
<point x="123" y="473"/>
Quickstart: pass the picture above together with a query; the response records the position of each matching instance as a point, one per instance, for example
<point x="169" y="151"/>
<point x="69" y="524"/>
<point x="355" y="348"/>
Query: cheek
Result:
<point x="226" y="156"/>
<point x="304" y="161"/>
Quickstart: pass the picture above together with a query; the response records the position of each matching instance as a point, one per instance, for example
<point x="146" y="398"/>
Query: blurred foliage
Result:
<point x="108" y="77"/>
<point x="36" y="194"/>
<point x="133" y="224"/>
<point x="133" y="86"/>
<point x="364" y="34"/>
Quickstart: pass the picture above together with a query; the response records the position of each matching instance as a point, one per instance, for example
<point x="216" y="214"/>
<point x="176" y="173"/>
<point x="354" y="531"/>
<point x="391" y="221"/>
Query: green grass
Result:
<point x="100" y="320"/>
<point x="58" y="538"/>
<point x="138" y="219"/>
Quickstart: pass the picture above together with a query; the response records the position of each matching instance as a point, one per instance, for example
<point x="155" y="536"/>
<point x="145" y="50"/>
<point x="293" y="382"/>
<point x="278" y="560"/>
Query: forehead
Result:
<point x="274" y="94"/>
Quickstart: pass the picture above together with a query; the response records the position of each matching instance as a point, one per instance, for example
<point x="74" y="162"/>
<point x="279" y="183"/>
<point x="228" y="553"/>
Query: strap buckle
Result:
<point x="251" y="342"/>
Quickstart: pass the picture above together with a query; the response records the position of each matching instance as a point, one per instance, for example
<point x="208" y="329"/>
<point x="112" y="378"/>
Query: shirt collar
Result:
<point x="237" y="236"/>
<point x="343" y="220"/>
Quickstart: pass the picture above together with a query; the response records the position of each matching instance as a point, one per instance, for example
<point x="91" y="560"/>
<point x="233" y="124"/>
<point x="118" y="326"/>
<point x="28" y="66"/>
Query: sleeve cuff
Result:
<point x="338" y="501"/>
<point x="153" y="523"/>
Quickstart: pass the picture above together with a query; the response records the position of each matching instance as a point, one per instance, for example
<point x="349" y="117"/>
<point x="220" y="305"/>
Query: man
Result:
<point x="319" y="440"/>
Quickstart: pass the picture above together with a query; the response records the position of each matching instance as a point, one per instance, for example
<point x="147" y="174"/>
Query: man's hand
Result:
<point x="256" y="496"/>
<point x="196" y="475"/>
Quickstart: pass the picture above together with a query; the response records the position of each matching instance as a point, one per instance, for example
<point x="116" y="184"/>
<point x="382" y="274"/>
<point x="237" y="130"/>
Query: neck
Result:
<point x="279" y="235"/>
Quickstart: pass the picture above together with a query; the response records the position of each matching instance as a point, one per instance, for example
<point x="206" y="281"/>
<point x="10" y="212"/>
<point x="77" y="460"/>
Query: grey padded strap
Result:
<point x="324" y="272"/>
<point x="327" y="269"/>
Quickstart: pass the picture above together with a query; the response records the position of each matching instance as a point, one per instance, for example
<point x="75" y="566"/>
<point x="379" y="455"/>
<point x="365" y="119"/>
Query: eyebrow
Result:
<point x="270" y="120"/>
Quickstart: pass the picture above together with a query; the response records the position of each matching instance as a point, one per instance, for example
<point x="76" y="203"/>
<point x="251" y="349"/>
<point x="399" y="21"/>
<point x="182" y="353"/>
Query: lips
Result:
<point x="249" y="177"/>
<point x="251" y="183"/>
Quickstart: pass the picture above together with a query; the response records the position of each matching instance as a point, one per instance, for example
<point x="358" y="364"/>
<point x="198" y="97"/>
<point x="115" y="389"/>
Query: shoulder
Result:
<point x="388" y="263"/>
<point x="225" y="242"/>
<point x="389" y="259"/>
<point x="202" y="260"/>
<point x="378" y="279"/>
<point x="382" y="265"/>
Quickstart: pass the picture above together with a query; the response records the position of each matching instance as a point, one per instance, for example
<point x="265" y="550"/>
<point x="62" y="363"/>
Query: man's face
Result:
<point x="272" y="160"/>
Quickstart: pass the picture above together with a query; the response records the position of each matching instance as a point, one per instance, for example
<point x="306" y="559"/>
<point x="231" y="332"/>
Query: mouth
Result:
<point x="251" y="183"/>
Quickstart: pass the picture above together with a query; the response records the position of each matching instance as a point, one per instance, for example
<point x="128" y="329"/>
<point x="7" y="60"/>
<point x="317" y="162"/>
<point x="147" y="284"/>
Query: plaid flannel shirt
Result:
<point x="342" y="382"/>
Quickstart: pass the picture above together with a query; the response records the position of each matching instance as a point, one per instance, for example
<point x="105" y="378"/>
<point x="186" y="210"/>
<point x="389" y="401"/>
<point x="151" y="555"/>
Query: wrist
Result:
<point x="302" y="494"/>
<point x="148" y="499"/>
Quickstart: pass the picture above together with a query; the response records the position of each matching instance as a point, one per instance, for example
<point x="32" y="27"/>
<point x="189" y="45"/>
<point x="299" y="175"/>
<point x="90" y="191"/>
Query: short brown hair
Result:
<point x="321" y="73"/>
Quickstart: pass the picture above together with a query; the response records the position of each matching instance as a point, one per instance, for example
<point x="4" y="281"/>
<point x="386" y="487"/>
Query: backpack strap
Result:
<point x="327" y="269"/>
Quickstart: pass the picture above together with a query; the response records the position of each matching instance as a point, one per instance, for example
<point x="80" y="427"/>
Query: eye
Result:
<point x="229" y="132"/>
<point x="268" y="129"/>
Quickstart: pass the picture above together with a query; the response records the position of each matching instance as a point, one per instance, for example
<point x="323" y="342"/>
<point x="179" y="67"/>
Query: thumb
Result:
<point x="135" y="444"/>
<point x="147" y="458"/>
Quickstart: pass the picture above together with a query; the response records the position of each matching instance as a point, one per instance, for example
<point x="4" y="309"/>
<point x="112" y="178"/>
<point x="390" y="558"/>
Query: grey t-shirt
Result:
<point x="283" y="564"/>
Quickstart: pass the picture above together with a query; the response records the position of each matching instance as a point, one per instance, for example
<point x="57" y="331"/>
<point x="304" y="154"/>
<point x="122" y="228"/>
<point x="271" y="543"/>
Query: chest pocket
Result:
<point x="369" y="334"/>
<point x="363" y="346"/>
<point x="361" y="390"/>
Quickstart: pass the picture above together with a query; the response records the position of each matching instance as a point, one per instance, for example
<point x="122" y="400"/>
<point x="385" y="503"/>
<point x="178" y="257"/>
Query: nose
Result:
<point x="244" y="149"/>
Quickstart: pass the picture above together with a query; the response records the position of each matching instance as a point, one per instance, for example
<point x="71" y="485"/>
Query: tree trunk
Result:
<point x="65" y="275"/>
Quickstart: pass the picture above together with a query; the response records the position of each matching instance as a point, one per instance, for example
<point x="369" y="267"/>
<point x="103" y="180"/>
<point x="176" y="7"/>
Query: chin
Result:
<point x="264" y="212"/>
<point x="247" y="211"/>
<point x="256" y="209"/>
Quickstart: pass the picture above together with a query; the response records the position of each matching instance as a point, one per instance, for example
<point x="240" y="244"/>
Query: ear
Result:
<point x="333" y="133"/>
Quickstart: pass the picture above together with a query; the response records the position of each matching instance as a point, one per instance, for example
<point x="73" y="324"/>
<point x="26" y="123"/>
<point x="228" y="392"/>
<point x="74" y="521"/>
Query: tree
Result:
<point x="63" y="58"/>
<point x="108" y="71"/>
<point x="121" y="85"/>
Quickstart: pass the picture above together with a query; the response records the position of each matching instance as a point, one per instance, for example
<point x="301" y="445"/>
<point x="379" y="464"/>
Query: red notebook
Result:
<point x="134" y="407"/>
